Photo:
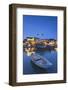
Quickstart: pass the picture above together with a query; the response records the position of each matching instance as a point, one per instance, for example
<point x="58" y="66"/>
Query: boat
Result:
<point x="40" y="61"/>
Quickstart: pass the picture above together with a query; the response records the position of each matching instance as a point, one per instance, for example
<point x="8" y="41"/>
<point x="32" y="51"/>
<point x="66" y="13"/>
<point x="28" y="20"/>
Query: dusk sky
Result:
<point x="44" y="27"/>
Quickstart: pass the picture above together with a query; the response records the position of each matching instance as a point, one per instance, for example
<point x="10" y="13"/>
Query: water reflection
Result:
<point x="29" y="51"/>
<point x="30" y="68"/>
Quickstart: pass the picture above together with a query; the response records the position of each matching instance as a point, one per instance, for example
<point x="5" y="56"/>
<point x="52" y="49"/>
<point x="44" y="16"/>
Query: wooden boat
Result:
<point x="40" y="61"/>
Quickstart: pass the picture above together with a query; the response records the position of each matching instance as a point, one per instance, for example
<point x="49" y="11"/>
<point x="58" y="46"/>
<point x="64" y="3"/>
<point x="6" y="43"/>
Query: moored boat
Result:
<point x="40" y="61"/>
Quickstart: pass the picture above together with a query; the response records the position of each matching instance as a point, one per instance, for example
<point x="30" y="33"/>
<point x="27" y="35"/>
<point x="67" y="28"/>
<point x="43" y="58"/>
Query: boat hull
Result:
<point x="40" y="62"/>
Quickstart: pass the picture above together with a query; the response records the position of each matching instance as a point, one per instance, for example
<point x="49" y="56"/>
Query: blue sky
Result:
<point x="44" y="27"/>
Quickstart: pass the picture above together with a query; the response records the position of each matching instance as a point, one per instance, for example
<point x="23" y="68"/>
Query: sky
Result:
<point x="44" y="27"/>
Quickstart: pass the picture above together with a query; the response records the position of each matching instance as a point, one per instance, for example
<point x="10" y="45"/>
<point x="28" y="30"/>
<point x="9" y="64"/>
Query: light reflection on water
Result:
<point x="29" y="51"/>
<point x="30" y="68"/>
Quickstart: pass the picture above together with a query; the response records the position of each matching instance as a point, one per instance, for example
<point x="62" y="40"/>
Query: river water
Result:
<point x="30" y="68"/>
